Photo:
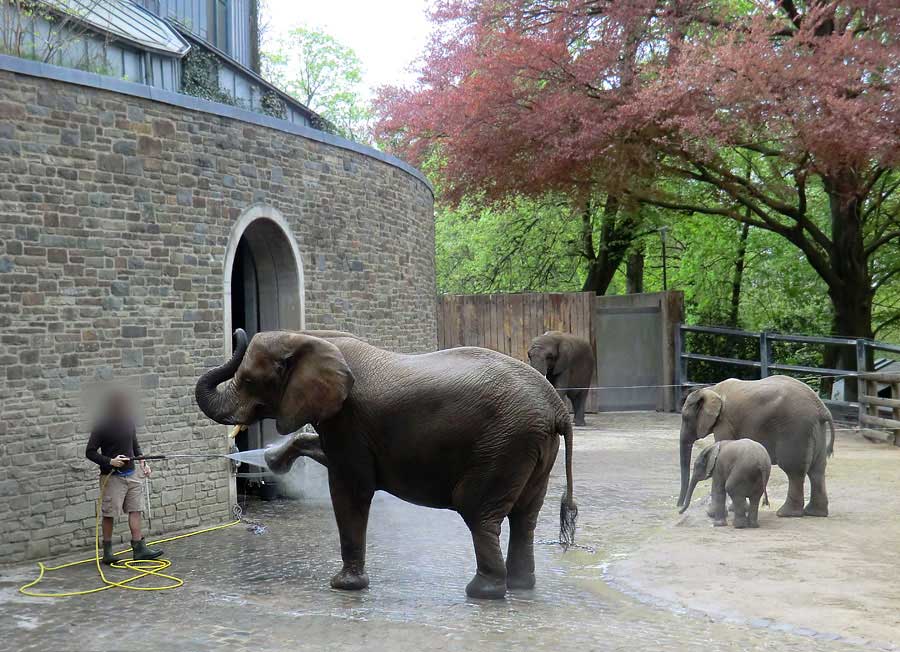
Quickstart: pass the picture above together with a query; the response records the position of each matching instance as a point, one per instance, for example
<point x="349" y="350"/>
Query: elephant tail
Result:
<point x="568" y="509"/>
<point x="830" y="447"/>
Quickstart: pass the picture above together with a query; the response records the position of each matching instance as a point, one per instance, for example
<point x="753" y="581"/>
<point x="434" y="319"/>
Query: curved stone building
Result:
<point x="138" y="226"/>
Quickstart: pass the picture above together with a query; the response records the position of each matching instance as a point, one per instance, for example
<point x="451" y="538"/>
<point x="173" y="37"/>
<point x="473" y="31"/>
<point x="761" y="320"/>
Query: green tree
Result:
<point x="323" y="74"/>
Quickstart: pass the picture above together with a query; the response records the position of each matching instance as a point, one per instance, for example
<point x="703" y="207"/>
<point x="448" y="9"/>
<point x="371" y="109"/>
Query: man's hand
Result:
<point x="146" y="469"/>
<point x="118" y="461"/>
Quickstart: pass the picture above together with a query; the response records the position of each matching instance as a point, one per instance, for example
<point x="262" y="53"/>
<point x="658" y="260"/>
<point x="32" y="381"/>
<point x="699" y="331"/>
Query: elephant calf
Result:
<point x="739" y="468"/>
<point x="567" y="362"/>
<point x="465" y="429"/>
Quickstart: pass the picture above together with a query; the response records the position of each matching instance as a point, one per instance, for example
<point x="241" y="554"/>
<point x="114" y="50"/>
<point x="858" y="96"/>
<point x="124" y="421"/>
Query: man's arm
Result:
<point x="92" y="451"/>
<point x="135" y="446"/>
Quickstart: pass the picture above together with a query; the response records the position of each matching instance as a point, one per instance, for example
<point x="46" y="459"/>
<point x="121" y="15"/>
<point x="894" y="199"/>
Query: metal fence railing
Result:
<point x="759" y="358"/>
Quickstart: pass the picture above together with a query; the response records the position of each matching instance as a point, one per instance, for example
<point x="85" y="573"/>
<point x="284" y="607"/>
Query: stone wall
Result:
<point x="115" y="213"/>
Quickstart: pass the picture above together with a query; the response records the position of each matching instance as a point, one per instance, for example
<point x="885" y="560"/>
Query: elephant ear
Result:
<point x="317" y="383"/>
<point x="710" y="408"/>
<point x="712" y="454"/>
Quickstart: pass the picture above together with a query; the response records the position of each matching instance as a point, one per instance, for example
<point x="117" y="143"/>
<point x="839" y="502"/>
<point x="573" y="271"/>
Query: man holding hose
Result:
<point x="113" y="446"/>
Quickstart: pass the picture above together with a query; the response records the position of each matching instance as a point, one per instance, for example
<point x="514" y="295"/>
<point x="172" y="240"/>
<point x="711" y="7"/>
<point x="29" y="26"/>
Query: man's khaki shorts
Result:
<point x="122" y="494"/>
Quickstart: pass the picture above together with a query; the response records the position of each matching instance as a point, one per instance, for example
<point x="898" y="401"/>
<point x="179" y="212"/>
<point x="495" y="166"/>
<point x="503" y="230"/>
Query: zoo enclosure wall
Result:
<point x="118" y="203"/>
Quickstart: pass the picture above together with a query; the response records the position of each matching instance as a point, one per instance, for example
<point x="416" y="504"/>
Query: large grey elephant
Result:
<point x="465" y="429"/>
<point x="568" y="363"/>
<point x="781" y="413"/>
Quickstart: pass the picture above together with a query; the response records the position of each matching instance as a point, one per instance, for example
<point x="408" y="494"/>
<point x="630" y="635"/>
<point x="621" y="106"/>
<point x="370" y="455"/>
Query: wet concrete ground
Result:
<point x="270" y="592"/>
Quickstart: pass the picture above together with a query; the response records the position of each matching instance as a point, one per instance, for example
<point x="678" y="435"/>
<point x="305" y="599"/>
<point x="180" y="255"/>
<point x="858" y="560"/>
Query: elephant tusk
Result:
<point x="234" y="431"/>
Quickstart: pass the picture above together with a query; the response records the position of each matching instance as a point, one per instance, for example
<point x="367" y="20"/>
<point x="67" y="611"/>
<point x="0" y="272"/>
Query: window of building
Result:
<point x="217" y="13"/>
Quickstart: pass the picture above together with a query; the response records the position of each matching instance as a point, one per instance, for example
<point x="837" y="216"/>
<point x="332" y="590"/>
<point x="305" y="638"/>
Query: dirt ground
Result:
<point x="836" y="575"/>
<point x="642" y="578"/>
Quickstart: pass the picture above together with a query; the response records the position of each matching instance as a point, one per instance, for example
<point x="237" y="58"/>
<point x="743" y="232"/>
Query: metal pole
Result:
<point x="860" y="380"/>
<point x="679" y="368"/>
<point x="763" y="355"/>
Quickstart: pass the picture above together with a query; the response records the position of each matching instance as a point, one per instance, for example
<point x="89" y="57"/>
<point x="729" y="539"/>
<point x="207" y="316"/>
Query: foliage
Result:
<point x="780" y="115"/>
<point x="200" y="76"/>
<point x="323" y="74"/>
<point x="522" y="246"/>
<point x="272" y="104"/>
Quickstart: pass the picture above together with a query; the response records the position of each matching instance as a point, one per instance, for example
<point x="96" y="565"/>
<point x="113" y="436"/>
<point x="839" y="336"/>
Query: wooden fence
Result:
<point x="871" y="405"/>
<point x="508" y="322"/>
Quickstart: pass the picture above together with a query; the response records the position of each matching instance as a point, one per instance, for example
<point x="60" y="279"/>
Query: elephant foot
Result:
<point x="741" y="523"/>
<point x="815" y="510"/>
<point x="580" y="423"/>
<point x="720" y="522"/>
<point x="521" y="581"/>
<point x="486" y="588"/>
<point x="350" y="580"/>
<point x="789" y="511"/>
<point x="753" y="524"/>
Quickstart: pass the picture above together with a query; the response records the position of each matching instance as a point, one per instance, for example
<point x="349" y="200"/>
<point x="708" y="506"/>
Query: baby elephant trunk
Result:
<point x="695" y="478"/>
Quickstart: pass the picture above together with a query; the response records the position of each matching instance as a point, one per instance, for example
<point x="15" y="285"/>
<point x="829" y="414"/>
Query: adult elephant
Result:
<point x="465" y="429"/>
<point x="568" y="363"/>
<point x="781" y="413"/>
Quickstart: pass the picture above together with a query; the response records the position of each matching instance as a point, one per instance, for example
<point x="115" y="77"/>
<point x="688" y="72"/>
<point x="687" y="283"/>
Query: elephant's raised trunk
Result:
<point x="219" y="405"/>
<point x="687" y="443"/>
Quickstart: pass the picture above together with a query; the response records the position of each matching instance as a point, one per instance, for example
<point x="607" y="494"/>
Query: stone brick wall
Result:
<point x="115" y="213"/>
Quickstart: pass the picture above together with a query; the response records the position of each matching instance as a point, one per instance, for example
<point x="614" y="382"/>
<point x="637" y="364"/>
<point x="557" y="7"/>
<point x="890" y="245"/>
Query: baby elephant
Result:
<point x="739" y="468"/>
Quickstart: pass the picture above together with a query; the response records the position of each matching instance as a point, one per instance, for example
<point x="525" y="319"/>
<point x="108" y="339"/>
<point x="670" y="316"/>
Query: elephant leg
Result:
<point x="711" y="510"/>
<point x="818" y="497"/>
<point x="280" y="458"/>
<point x="522" y="521"/>
<point x="490" y="577"/>
<point x="579" y="402"/>
<point x="351" y="511"/>
<point x="740" y="511"/>
<point x="793" y="505"/>
<point x="719" y="512"/>
<point x="753" y="511"/>
<point x="520" y="552"/>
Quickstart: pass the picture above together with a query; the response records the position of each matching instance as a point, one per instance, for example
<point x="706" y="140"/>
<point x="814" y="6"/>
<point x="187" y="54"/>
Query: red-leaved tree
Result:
<point x="781" y="115"/>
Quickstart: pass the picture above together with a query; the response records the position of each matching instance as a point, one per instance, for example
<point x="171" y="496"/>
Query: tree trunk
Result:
<point x="738" y="277"/>
<point x="617" y="232"/>
<point x="852" y="294"/>
<point x="634" y="272"/>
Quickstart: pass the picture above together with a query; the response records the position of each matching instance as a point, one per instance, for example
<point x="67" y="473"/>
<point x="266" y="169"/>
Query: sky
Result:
<point x="387" y="35"/>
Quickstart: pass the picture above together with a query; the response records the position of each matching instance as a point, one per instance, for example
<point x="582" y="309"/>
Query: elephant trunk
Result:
<point x="690" y="492"/>
<point x="687" y="443"/>
<point x="220" y="405"/>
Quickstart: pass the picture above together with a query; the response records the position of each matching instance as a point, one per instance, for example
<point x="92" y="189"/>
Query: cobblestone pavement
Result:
<point x="270" y="591"/>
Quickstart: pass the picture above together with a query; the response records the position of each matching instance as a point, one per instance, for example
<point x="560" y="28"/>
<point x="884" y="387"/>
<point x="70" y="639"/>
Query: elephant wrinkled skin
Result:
<point x="465" y="429"/>
<point x="781" y="413"/>
<point x="568" y="363"/>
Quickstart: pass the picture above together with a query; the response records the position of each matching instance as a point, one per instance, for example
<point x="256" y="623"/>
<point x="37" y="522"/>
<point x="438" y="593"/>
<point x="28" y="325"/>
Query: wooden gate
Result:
<point x="508" y="322"/>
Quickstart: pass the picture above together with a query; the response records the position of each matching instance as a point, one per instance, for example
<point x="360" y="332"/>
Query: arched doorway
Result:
<point x="263" y="291"/>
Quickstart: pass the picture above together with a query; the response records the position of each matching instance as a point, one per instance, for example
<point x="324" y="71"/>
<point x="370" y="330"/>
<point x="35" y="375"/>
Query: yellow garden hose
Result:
<point x="141" y="567"/>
